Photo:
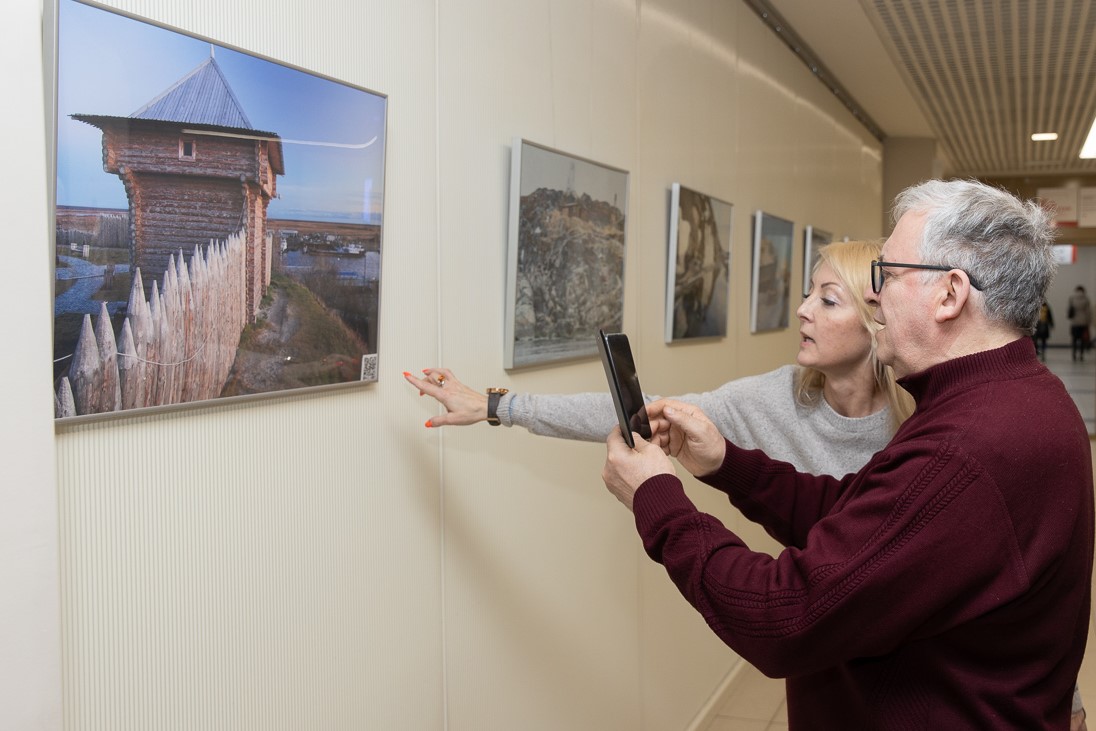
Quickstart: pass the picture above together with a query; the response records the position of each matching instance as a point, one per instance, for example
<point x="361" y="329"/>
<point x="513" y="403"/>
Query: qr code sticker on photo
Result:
<point x="369" y="367"/>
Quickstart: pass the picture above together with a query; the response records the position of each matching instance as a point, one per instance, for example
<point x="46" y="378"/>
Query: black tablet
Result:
<point x="620" y="370"/>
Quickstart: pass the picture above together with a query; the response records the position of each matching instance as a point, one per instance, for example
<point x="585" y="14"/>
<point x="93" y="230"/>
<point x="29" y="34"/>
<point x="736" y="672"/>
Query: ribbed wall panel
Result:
<point x="243" y="568"/>
<point x="322" y="561"/>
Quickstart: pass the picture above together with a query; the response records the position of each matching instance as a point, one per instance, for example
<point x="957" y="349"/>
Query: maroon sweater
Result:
<point x="944" y="586"/>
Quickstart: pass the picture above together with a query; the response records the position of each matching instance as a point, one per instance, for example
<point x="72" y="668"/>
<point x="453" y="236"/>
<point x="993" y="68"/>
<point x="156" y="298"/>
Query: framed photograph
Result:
<point x="218" y="220"/>
<point x="565" y="258"/>
<point x="813" y="240"/>
<point x="772" y="273"/>
<point x="698" y="266"/>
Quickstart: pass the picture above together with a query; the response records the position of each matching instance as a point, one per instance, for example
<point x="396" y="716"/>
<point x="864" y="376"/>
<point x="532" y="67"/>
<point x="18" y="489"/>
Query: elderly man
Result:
<point x="946" y="584"/>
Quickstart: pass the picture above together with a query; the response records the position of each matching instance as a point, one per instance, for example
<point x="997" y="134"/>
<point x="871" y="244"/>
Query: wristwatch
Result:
<point x="493" y="396"/>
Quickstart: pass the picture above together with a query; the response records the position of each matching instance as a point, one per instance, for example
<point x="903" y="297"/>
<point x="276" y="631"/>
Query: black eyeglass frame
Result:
<point x="877" y="278"/>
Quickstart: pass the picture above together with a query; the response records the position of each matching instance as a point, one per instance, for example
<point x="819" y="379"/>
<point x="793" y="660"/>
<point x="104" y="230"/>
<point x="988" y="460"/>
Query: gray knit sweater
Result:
<point x="756" y="412"/>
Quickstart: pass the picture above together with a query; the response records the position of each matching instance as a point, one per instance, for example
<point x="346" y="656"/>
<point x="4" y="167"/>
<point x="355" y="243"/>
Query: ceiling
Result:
<point x="979" y="76"/>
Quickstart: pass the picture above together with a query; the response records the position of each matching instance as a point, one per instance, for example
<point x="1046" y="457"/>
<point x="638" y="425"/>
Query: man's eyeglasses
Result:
<point x="879" y="277"/>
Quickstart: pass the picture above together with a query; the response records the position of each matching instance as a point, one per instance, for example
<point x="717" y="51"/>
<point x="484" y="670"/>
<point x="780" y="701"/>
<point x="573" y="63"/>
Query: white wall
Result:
<point x="30" y="654"/>
<point x="322" y="560"/>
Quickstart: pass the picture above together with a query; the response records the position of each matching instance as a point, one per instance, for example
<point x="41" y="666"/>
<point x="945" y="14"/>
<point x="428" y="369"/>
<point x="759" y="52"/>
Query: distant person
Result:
<point x="946" y="585"/>
<point x="1042" y="329"/>
<point x="1080" y="317"/>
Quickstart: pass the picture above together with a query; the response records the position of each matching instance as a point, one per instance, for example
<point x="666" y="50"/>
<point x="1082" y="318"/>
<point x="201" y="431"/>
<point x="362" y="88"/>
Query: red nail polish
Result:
<point x="429" y="423"/>
<point x="406" y="373"/>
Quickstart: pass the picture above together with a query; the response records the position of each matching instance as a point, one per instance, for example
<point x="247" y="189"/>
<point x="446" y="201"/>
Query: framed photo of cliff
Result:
<point x="698" y="265"/>
<point x="565" y="255"/>
<point x="218" y="220"/>
<point x="813" y="240"/>
<point x="772" y="273"/>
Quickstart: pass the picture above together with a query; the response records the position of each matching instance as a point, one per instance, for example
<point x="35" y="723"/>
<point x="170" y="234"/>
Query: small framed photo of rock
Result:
<point x="565" y="255"/>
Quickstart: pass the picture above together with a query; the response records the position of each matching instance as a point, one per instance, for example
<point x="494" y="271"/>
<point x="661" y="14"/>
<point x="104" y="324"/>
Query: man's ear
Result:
<point x="954" y="294"/>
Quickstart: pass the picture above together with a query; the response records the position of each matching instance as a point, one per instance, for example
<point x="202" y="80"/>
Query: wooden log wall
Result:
<point x="177" y="212"/>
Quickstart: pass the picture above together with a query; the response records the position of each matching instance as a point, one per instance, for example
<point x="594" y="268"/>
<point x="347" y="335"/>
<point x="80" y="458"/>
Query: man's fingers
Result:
<point x="615" y="438"/>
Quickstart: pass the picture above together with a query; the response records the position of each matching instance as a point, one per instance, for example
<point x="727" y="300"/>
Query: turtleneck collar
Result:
<point x="1014" y="360"/>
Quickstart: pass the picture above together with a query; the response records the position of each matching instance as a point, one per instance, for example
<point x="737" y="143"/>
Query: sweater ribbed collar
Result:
<point x="1014" y="360"/>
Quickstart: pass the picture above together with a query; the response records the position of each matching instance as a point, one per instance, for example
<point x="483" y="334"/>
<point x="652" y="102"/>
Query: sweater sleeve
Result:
<point x="591" y="416"/>
<point x="851" y="588"/>
<point x="585" y="417"/>
<point x="786" y="514"/>
<point x="755" y="412"/>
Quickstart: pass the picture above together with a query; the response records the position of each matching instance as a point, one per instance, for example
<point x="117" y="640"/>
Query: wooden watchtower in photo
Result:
<point x="194" y="170"/>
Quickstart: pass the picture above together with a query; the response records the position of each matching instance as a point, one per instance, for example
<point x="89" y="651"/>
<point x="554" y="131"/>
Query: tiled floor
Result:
<point x="756" y="703"/>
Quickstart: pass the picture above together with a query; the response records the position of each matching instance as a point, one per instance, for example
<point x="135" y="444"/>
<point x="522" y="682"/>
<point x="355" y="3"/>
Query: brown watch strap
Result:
<point x="494" y="395"/>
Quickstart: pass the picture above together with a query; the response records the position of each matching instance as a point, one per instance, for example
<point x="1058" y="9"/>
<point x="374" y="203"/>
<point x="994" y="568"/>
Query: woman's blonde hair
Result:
<point x="851" y="263"/>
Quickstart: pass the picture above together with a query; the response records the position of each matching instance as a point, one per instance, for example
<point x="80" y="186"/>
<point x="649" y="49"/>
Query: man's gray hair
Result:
<point x="1003" y="243"/>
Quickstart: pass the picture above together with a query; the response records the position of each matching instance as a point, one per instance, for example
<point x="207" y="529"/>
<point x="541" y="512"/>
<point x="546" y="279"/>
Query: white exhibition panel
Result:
<point x="323" y="561"/>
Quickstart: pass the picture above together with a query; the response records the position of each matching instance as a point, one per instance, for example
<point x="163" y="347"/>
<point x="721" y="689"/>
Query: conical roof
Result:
<point x="201" y="97"/>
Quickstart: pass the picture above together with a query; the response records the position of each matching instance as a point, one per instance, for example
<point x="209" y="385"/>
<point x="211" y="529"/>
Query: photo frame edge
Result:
<point x="671" y="260"/>
<point x="755" y="267"/>
<point x="511" y="264"/>
<point x="808" y="255"/>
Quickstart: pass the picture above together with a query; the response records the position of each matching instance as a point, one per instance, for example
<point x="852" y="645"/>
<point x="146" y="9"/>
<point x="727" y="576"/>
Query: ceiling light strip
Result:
<point x="1088" y="150"/>
<point x="778" y="25"/>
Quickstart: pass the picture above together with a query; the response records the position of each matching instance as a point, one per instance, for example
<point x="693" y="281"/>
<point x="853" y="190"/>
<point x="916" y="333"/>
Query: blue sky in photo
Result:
<point x="109" y="64"/>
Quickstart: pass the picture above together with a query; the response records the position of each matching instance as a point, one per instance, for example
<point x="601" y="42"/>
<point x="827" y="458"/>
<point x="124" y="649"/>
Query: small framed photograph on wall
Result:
<point x="698" y="266"/>
<point x="813" y="240"/>
<point x="565" y="258"/>
<point x="772" y="272"/>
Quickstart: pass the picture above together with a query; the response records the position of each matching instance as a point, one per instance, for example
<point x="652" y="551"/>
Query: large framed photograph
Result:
<point x="218" y="220"/>
<point x="698" y="266"/>
<point x="772" y="273"/>
<point x="565" y="255"/>
<point x="813" y="240"/>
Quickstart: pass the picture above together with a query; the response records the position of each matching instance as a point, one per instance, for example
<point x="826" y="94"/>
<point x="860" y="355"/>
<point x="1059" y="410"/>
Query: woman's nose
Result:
<point x="870" y="297"/>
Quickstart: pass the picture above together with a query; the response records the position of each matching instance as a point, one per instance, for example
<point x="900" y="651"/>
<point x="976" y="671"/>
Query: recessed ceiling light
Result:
<point x="1044" y="136"/>
<point x="1088" y="150"/>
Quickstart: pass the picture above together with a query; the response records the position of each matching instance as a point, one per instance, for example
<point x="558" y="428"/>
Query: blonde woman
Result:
<point x="826" y="415"/>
